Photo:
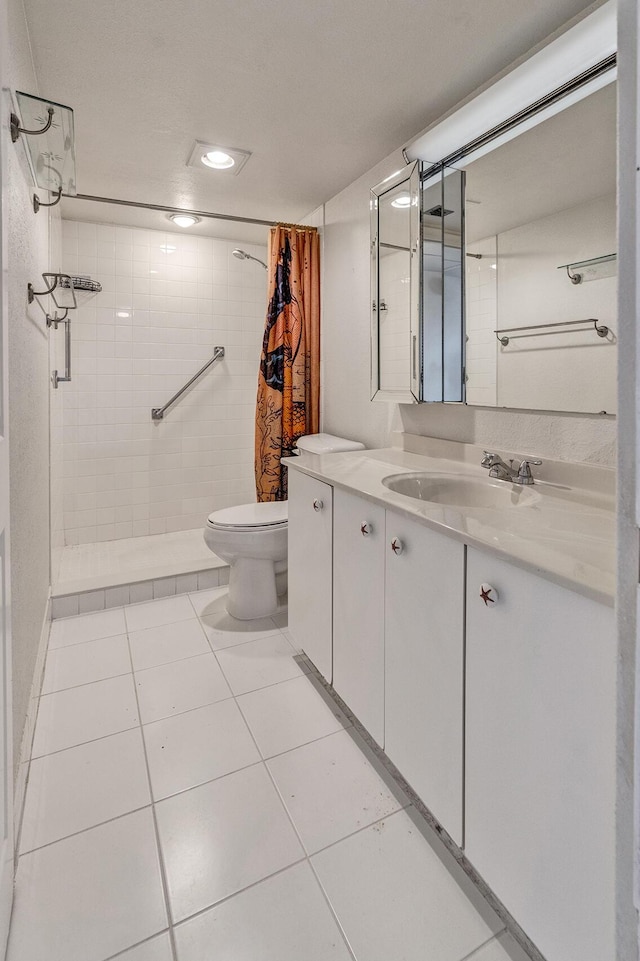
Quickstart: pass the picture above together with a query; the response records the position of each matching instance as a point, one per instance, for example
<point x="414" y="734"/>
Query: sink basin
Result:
<point x="456" y="491"/>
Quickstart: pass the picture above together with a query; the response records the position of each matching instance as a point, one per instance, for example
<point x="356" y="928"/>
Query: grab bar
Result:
<point x="157" y="413"/>
<point x="56" y="378"/>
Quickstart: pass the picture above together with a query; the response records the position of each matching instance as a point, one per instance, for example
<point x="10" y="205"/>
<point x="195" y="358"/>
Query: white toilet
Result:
<point x="252" y="539"/>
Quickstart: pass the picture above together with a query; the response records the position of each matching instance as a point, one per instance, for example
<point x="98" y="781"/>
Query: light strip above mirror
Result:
<point x="588" y="44"/>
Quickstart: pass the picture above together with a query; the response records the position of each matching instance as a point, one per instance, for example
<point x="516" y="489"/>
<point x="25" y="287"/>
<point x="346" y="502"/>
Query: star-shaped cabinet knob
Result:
<point x="488" y="594"/>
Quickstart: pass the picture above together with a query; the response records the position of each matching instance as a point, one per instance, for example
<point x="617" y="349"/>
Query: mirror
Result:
<point x="540" y="266"/>
<point x="416" y="286"/>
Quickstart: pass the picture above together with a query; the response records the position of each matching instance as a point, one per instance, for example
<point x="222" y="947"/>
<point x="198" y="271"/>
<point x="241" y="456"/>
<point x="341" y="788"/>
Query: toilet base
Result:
<point x="252" y="589"/>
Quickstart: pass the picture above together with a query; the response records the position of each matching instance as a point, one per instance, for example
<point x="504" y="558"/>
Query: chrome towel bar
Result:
<point x="600" y="329"/>
<point x="157" y="413"/>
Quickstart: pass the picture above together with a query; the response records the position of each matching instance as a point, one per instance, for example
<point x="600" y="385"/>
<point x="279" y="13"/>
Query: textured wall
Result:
<point x="346" y="358"/>
<point x="28" y="399"/>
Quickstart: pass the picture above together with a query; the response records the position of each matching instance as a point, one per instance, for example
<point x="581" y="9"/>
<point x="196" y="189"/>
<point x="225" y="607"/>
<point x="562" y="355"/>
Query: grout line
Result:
<point x="210" y="780"/>
<point x="73" y="687"/>
<point x="63" y="647"/>
<point x="70" y="747"/>
<point x="163" y="869"/>
<point x="138" y="944"/>
<point x="74" y="834"/>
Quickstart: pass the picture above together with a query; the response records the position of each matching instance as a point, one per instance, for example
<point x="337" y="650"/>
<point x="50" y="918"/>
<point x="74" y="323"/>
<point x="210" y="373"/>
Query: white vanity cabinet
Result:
<point x="540" y="756"/>
<point x="424" y="665"/>
<point x="358" y="608"/>
<point x="309" y="568"/>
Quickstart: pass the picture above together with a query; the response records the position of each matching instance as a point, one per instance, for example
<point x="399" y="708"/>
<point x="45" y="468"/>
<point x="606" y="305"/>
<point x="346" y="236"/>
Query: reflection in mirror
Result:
<point x="442" y="220"/>
<point x="394" y="286"/>
<point x="540" y="202"/>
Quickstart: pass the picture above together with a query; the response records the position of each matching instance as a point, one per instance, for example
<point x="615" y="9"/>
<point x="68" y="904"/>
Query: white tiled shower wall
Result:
<point x="167" y="300"/>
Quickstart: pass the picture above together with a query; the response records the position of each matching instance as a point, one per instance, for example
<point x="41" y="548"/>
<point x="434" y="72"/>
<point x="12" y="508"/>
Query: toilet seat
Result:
<point x="267" y="516"/>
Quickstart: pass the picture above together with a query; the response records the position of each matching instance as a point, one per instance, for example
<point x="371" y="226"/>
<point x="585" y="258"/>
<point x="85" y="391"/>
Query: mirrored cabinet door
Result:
<point x="417" y="338"/>
<point x="395" y="288"/>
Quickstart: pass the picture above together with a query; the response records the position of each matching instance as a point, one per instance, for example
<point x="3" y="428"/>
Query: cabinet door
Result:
<point x="424" y="664"/>
<point x="358" y="609"/>
<point x="309" y="568"/>
<point x="540" y="757"/>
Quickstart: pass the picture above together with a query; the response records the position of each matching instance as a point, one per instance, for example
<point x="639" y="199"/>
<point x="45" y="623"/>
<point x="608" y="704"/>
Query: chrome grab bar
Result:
<point x="157" y="413"/>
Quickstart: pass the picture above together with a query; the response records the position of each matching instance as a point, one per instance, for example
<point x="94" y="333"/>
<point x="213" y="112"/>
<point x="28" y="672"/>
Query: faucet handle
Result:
<point x="487" y="458"/>
<point x="524" y="471"/>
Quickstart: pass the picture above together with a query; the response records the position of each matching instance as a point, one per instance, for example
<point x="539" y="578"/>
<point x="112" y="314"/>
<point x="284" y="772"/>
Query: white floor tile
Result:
<point x="223" y="630"/>
<point x="158" y="949"/>
<point x="84" y="714"/>
<point x="223" y="836"/>
<point x="83" y="663"/>
<point x="502" y="948"/>
<point x="203" y="600"/>
<point x="181" y="686"/>
<point x="166" y="643"/>
<point x="90" y="896"/>
<point x="284" y="918"/>
<point x="166" y="610"/>
<point x="84" y="786"/>
<point x="395" y="898"/>
<point x="195" y="747"/>
<point x="331" y="789"/>
<point x="86" y="627"/>
<point x="290" y="714"/>
<point x="248" y="667"/>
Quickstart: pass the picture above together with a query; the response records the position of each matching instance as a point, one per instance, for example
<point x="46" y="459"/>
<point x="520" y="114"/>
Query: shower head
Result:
<point x="243" y="255"/>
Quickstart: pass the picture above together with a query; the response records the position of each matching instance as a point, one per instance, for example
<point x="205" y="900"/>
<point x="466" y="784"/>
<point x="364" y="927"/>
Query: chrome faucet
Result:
<point x="501" y="471"/>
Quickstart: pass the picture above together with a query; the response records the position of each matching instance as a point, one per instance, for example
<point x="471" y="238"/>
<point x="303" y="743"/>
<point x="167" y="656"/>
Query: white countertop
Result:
<point x="566" y="534"/>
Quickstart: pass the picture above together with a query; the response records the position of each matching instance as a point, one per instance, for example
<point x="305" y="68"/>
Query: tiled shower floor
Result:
<point x="87" y="567"/>
<point x="194" y="796"/>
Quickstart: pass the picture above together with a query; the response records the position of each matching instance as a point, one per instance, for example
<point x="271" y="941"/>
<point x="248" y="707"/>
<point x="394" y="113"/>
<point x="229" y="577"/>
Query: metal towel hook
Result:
<point x="16" y="129"/>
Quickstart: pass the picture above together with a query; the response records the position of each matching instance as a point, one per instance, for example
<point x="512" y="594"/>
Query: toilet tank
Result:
<point x="326" y="444"/>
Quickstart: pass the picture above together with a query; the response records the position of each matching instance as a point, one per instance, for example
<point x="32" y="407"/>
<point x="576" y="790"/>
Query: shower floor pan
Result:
<point x="92" y="577"/>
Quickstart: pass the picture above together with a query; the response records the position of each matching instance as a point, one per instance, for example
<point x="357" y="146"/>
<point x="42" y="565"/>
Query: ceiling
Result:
<point x="319" y="92"/>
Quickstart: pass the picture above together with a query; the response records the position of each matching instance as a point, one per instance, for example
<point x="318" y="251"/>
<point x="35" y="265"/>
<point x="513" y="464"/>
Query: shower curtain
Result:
<point x="288" y="404"/>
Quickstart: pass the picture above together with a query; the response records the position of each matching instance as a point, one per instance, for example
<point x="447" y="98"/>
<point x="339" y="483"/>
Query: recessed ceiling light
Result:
<point x="217" y="159"/>
<point x="184" y="220"/>
<point x="402" y="200"/>
<point x="167" y="248"/>
<point x="123" y="313"/>
<point x="228" y="160"/>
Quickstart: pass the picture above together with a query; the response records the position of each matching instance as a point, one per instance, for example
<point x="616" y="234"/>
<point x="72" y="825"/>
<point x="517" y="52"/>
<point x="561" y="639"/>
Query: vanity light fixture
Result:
<point x="228" y="160"/>
<point x="184" y="220"/>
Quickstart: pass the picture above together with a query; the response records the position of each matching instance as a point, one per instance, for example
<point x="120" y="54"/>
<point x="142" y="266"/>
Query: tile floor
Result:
<point x="194" y="795"/>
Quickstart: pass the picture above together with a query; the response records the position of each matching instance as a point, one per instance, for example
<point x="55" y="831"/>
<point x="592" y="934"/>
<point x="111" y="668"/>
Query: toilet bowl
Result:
<point x="252" y="539"/>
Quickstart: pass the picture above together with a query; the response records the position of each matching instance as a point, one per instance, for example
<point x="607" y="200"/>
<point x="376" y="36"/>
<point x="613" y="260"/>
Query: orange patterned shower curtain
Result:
<point x="288" y="403"/>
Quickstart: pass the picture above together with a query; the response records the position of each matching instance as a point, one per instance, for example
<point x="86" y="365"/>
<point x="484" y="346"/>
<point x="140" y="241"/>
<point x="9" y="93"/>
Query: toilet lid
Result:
<point x="270" y="514"/>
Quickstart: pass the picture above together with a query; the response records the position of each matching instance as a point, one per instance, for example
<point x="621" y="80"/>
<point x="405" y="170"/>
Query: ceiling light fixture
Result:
<point x="184" y="220"/>
<point x="402" y="201"/>
<point x="217" y="159"/>
<point x="226" y="160"/>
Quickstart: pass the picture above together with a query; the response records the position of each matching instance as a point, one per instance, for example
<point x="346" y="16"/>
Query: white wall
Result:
<point x="167" y="300"/>
<point x="347" y="409"/>
<point x="28" y="396"/>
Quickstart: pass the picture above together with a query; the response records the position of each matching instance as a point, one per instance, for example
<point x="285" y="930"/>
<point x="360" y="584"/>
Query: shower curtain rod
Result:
<point x="162" y="208"/>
